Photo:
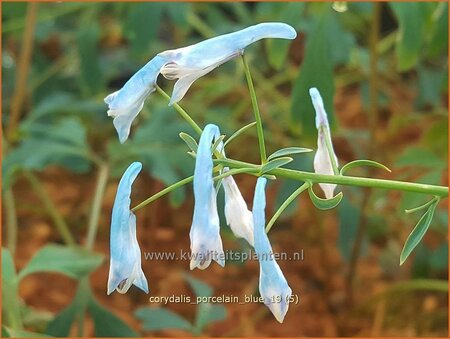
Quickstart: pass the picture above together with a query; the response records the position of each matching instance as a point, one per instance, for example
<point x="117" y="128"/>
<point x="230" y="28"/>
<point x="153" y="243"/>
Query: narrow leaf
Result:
<point x="217" y="142"/>
<point x="358" y="163"/>
<point x="324" y="204"/>
<point x="418" y="232"/>
<point x="411" y="20"/>
<point x="287" y="151"/>
<point x="190" y="141"/>
<point x="239" y="132"/>
<point x="421" y="207"/>
<point x="275" y="164"/>
<point x="75" y="262"/>
<point x="200" y="288"/>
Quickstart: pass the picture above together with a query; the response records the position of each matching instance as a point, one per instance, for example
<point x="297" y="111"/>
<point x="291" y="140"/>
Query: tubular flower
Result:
<point x="186" y="64"/>
<point x="238" y="217"/>
<point x="125" y="263"/>
<point x="323" y="158"/>
<point x="206" y="244"/>
<point x="273" y="286"/>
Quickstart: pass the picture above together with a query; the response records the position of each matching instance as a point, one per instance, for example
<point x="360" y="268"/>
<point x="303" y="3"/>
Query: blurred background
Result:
<point x="382" y="70"/>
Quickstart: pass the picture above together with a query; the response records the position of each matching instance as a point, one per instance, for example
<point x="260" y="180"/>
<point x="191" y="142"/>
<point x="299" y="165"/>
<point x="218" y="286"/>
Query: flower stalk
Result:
<point x="259" y="128"/>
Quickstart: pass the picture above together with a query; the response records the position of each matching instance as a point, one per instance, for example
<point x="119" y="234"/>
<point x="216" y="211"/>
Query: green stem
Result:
<point x="11" y="220"/>
<point x="182" y="112"/>
<point x="440" y="191"/>
<point x="82" y="299"/>
<point x="186" y="181"/>
<point x="57" y="218"/>
<point x="286" y="204"/>
<point x="94" y="216"/>
<point x="259" y="128"/>
<point x="163" y="192"/>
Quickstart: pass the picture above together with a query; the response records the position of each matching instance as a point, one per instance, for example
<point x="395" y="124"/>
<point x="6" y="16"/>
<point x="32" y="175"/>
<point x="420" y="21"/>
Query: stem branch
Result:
<point x="94" y="216"/>
<point x="259" y="128"/>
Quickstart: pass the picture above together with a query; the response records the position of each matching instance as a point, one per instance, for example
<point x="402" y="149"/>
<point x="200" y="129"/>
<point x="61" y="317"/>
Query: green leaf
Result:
<point x="151" y="144"/>
<point x="324" y="204"/>
<point x="290" y="13"/>
<point x="287" y="151"/>
<point x="5" y="333"/>
<point x="208" y="313"/>
<point x="8" y="269"/>
<point x="63" y="143"/>
<point x="155" y="319"/>
<point x="349" y="217"/>
<point x="74" y="262"/>
<point x="275" y="164"/>
<point x="420" y="157"/>
<point x="411" y="19"/>
<point x="315" y="71"/>
<point x="418" y="232"/>
<point x="141" y="26"/>
<point x="91" y="76"/>
<point x="106" y="324"/>
<point x="200" y="288"/>
<point x="10" y="295"/>
<point x="217" y="142"/>
<point x="190" y="141"/>
<point x="358" y="163"/>
<point x="239" y="132"/>
<point x="419" y="208"/>
<point x="12" y="333"/>
<point x="439" y="39"/>
<point x="430" y="86"/>
<point x="60" y="326"/>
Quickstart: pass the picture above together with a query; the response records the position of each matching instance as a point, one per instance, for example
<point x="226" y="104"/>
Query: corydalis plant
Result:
<point x="186" y="64"/>
<point x="189" y="63"/>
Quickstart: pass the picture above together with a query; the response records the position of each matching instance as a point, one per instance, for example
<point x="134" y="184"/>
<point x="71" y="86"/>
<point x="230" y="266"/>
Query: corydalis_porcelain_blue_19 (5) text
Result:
<point x="186" y="64"/>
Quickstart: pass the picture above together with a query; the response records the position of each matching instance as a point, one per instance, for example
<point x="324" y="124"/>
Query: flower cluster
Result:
<point x="187" y="64"/>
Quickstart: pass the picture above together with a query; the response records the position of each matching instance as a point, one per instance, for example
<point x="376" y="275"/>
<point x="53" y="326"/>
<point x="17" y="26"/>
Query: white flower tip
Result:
<point x="201" y="264"/>
<point x="315" y="95"/>
<point x="279" y="310"/>
<point x="328" y="189"/>
<point x="321" y="115"/>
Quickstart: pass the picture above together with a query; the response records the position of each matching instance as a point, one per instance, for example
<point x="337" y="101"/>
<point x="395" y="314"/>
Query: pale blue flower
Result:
<point x="322" y="159"/>
<point x="238" y="217"/>
<point x="206" y="244"/>
<point x="186" y="64"/>
<point x="190" y="63"/>
<point x="125" y="263"/>
<point x="273" y="286"/>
